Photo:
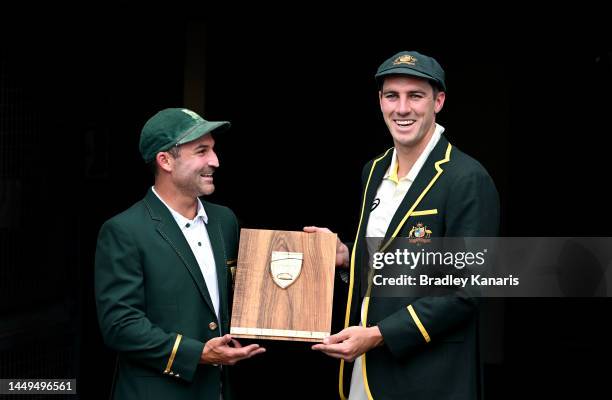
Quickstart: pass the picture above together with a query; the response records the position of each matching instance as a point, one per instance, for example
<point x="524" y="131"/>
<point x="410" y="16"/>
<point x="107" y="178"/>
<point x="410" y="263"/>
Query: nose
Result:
<point x="403" y="106"/>
<point x="213" y="160"/>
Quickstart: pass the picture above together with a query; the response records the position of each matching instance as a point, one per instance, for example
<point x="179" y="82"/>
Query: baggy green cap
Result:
<point x="414" y="64"/>
<point x="173" y="127"/>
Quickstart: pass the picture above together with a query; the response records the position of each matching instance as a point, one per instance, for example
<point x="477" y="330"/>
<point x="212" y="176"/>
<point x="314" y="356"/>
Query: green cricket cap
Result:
<point x="414" y="64"/>
<point x="174" y="127"/>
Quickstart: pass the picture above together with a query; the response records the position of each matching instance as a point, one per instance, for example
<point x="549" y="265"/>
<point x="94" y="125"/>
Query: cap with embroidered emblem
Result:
<point x="173" y="127"/>
<point x="414" y="64"/>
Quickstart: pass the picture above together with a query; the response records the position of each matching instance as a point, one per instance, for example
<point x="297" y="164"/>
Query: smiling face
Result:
<point x="409" y="110"/>
<point x="192" y="170"/>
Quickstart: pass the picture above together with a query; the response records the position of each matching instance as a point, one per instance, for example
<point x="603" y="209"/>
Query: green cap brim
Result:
<point x="203" y="129"/>
<point x="408" y="71"/>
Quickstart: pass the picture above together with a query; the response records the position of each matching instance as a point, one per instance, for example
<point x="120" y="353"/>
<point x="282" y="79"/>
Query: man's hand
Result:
<point x="350" y="343"/>
<point x="342" y="252"/>
<point x="227" y="351"/>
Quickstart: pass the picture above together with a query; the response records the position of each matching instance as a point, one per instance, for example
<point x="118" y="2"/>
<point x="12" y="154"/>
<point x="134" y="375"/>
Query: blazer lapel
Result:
<point x="426" y="178"/>
<point x="170" y="231"/>
<point x="377" y="173"/>
<point x="216" y="241"/>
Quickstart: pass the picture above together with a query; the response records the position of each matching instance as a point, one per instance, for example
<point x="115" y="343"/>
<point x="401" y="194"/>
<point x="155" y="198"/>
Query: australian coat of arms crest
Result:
<point x="419" y="234"/>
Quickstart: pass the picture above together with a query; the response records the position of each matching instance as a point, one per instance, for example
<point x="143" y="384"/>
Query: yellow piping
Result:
<point x="418" y="323"/>
<point x="423" y="193"/>
<point x="424" y="212"/>
<point x="352" y="273"/>
<point x="399" y="227"/>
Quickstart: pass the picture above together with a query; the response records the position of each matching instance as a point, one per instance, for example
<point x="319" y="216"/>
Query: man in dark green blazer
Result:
<point x="162" y="273"/>
<point x="413" y="347"/>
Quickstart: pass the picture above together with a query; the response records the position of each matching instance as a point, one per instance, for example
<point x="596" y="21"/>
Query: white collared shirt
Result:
<point x="392" y="189"/>
<point x="389" y="195"/>
<point x="196" y="235"/>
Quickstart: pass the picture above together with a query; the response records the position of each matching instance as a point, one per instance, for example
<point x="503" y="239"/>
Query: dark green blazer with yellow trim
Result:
<point x="153" y="305"/>
<point x="430" y="343"/>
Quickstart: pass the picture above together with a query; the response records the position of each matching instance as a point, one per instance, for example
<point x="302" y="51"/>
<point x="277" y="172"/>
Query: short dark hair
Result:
<point x="174" y="151"/>
<point x="436" y="89"/>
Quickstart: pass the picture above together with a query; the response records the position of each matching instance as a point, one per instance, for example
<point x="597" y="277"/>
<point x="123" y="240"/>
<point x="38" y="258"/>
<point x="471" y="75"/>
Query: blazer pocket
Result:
<point x="424" y="212"/>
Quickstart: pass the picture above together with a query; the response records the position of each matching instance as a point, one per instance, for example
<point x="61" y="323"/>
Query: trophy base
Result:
<point x="278" y="334"/>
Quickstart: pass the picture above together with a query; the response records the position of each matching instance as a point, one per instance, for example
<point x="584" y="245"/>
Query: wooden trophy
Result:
<point x="284" y="285"/>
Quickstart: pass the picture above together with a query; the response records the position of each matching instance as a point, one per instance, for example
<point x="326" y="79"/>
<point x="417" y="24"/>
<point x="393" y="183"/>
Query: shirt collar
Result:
<point x="181" y="220"/>
<point x="391" y="173"/>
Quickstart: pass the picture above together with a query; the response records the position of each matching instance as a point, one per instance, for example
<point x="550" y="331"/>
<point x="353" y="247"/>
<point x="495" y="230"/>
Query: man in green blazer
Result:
<point x="162" y="273"/>
<point x="413" y="347"/>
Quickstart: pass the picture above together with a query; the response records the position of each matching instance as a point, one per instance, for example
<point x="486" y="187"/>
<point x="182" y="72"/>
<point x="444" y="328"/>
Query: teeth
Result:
<point x="404" y="122"/>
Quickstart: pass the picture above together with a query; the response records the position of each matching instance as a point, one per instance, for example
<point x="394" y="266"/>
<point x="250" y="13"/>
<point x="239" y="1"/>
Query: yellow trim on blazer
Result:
<point x="399" y="227"/>
<point x="423" y="193"/>
<point x="352" y="267"/>
<point x="174" y="350"/>
<point x="365" y="378"/>
<point x="424" y="212"/>
<point x="418" y="323"/>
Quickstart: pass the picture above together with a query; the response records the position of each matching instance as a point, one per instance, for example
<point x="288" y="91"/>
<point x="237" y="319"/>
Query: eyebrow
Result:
<point x="409" y="91"/>
<point x="201" y="146"/>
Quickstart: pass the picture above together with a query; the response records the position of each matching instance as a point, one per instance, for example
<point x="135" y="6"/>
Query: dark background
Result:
<point x="532" y="108"/>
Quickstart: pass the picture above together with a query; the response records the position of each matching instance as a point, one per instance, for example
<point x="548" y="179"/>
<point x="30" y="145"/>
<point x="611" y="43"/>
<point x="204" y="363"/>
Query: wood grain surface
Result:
<point x="302" y="311"/>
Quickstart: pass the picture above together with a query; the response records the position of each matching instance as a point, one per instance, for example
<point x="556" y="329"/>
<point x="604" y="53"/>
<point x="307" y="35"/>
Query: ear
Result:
<point x="164" y="160"/>
<point x="439" y="102"/>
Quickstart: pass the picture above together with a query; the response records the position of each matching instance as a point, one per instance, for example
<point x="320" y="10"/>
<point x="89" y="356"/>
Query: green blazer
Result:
<point x="153" y="305"/>
<point x="430" y="346"/>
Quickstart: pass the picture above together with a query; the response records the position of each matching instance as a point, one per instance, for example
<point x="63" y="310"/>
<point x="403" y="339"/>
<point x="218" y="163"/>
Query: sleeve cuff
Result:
<point x="401" y="332"/>
<point x="418" y="323"/>
<point x="184" y="358"/>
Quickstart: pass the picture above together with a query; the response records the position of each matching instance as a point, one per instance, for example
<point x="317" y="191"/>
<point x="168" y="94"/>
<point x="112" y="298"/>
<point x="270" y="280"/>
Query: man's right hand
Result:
<point x="342" y="252"/>
<point x="227" y="351"/>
